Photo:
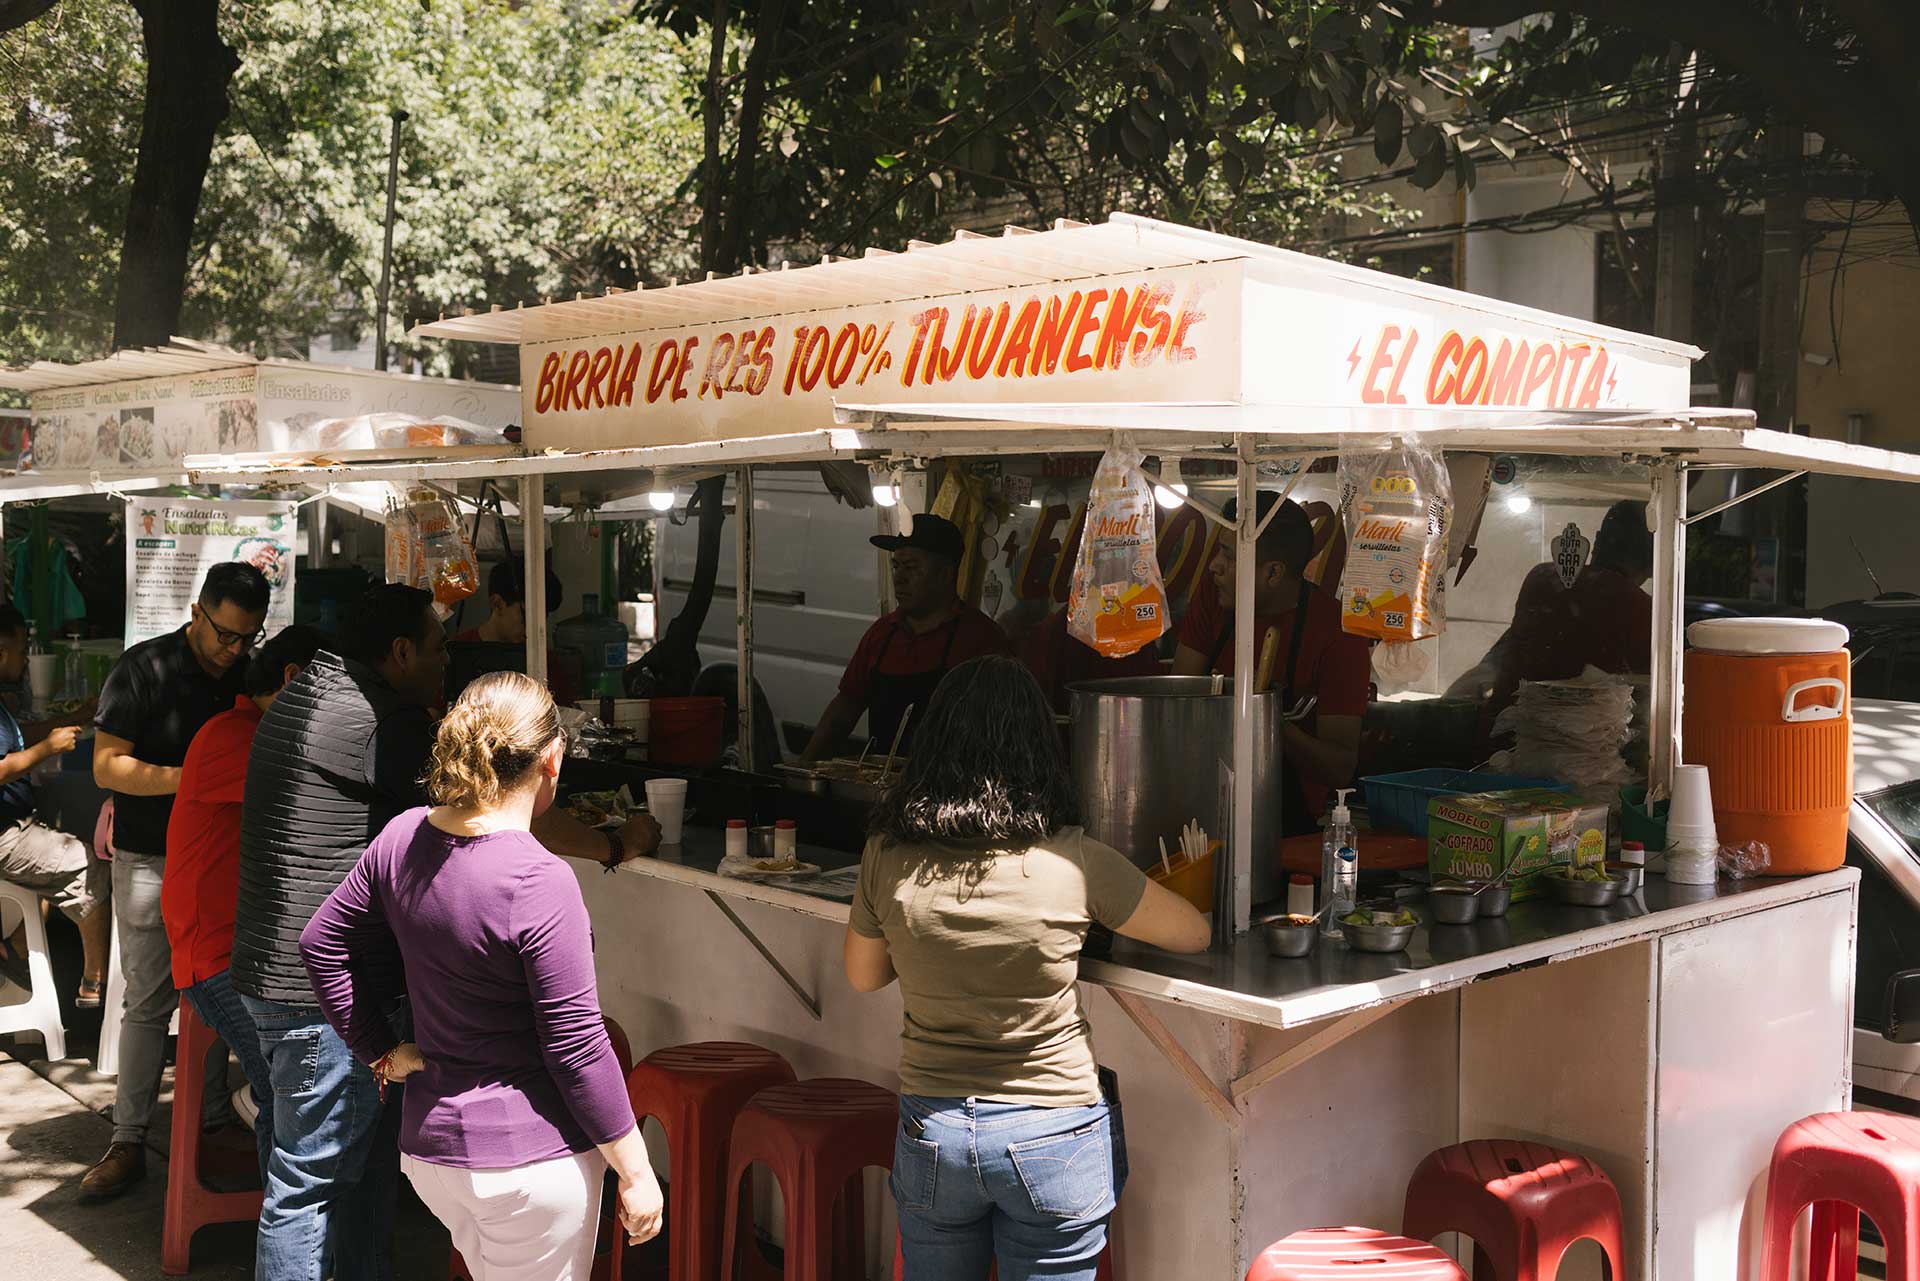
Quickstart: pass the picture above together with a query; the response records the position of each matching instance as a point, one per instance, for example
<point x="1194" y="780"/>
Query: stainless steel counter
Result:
<point x="1247" y="984"/>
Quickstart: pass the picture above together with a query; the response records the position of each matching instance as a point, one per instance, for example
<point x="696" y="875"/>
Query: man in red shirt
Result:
<point x="1604" y="620"/>
<point x="202" y="878"/>
<point x="904" y="655"/>
<point x="506" y="620"/>
<point x="1312" y="656"/>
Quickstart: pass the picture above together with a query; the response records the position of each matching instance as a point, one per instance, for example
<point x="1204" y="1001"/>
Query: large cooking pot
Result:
<point x="1152" y="753"/>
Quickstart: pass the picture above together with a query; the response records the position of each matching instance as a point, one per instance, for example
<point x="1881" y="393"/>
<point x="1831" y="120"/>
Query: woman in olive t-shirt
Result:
<point x="976" y="891"/>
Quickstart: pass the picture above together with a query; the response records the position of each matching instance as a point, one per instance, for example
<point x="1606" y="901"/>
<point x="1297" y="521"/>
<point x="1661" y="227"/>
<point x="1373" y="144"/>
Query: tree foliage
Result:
<point x="860" y="122"/>
<point x="541" y="153"/>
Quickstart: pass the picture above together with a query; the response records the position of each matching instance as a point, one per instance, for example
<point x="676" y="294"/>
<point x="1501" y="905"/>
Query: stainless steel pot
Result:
<point x="1151" y="753"/>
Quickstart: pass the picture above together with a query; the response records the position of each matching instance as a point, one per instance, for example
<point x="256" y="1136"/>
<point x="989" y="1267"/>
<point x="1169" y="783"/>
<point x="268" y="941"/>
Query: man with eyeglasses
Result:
<point x="158" y="696"/>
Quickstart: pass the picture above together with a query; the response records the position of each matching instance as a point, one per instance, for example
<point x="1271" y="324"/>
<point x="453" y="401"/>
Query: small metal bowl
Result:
<point x="1584" y="893"/>
<point x="1453" y="904"/>
<point x="1284" y="938"/>
<point x="1377" y="938"/>
<point x="1495" y="899"/>
<point x="1634" y="874"/>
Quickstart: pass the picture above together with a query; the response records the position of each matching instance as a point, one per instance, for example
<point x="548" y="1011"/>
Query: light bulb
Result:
<point x="1170" y="496"/>
<point x="886" y="495"/>
<point x="1519" y="504"/>
<point x="661" y="500"/>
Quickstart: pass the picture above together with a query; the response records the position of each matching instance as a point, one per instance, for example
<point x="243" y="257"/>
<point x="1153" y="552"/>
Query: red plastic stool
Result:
<point x="816" y="1136"/>
<point x="695" y="1092"/>
<point x="610" y="1239"/>
<point x="1843" y="1164"/>
<point x="191" y="1204"/>
<point x="1524" y="1205"/>
<point x="1352" y="1254"/>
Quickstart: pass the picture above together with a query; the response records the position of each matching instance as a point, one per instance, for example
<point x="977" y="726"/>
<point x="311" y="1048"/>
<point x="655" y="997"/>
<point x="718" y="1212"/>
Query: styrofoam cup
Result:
<point x="1696" y="867"/>
<point x="667" y="802"/>
<point x="1692" y="805"/>
<point x="43" y="677"/>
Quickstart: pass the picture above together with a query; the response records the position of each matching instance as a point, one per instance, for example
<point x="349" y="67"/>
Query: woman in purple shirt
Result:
<point x="516" y="1107"/>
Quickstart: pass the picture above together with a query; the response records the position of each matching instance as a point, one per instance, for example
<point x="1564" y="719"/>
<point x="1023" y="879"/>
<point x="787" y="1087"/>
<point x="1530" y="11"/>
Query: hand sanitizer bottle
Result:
<point x="1339" y="866"/>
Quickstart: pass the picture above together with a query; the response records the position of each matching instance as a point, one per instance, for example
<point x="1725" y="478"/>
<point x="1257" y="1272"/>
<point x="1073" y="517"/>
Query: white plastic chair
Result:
<point x="40" y="1012"/>
<point x="113" y="1004"/>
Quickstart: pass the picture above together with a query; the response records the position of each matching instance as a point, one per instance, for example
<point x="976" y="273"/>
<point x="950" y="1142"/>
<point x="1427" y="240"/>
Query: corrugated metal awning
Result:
<point x="179" y="356"/>
<point x="970" y="262"/>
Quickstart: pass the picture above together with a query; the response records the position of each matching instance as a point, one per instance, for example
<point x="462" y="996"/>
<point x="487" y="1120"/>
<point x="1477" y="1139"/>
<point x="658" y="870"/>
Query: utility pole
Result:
<point x="1675" y="214"/>
<point x="386" y="249"/>
<point x="1781" y="247"/>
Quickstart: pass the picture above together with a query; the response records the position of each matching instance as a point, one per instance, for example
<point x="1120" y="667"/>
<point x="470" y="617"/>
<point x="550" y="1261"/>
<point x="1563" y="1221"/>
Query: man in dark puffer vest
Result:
<point x="339" y="754"/>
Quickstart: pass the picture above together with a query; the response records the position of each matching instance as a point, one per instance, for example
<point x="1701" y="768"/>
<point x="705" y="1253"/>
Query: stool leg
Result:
<point x="810" y="1230"/>
<point x="850" y="1225"/>
<point x="738" y="1224"/>
<point x="1835" y="1244"/>
<point x="44" y="999"/>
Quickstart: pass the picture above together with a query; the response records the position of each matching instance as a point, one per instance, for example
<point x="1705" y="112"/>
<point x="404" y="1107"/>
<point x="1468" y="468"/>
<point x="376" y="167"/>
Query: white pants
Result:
<point x="534" y="1223"/>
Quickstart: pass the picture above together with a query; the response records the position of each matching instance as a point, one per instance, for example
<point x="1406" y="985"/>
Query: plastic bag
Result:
<point x="448" y="569"/>
<point x="402" y="547"/>
<point x="1398" y="506"/>
<point x="1118" y="604"/>
<point x="1739" y="862"/>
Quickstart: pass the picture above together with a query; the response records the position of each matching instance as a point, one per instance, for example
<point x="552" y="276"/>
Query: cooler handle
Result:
<point x="1814" y="711"/>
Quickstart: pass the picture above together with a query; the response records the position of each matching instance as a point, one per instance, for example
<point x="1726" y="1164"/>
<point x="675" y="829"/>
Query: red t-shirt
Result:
<point x="1604" y="620"/>
<point x="1057" y="659"/>
<point x="1333" y="664"/>
<point x="202" y="877"/>
<point x="892" y="647"/>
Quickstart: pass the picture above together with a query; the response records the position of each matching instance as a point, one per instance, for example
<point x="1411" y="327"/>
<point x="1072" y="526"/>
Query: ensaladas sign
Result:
<point x="1225" y="332"/>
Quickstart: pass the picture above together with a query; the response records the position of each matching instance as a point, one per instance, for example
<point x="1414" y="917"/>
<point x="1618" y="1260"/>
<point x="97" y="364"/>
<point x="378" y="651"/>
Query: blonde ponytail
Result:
<point x="490" y="739"/>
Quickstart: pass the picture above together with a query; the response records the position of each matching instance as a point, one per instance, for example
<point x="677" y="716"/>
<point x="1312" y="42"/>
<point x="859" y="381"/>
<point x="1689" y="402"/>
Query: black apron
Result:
<point x="889" y="696"/>
<point x="1295" y="818"/>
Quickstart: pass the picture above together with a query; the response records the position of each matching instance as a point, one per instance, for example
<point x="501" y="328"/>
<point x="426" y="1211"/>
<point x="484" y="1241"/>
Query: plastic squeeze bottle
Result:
<point x="1339" y="865"/>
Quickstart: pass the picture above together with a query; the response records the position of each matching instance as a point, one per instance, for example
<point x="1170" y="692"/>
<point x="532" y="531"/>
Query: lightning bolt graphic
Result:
<point x="1613" y="380"/>
<point x="1353" y="358"/>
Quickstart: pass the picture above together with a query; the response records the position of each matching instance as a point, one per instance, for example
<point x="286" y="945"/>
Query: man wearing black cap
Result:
<point x="904" y="655"/>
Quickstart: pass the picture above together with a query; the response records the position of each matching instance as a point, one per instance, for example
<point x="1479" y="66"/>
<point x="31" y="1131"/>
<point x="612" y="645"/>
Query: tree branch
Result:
<point x="18" y="13"/>
<point x="1811" y="86"/>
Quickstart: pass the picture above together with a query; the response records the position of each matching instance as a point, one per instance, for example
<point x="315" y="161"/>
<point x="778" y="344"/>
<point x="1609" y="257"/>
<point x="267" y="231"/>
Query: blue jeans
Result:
<point x="220" y="1008"/>
<point x="1029" y="1187"/>
<point x="335" y="1166"/>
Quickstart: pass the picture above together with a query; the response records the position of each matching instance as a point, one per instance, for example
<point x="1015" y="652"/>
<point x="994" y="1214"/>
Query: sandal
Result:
<point x="90" y="994"/>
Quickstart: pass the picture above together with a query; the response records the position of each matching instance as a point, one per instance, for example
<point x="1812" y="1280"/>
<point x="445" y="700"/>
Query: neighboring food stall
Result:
<point x="108" y="539"/>
<point x="1669" y="1035"/>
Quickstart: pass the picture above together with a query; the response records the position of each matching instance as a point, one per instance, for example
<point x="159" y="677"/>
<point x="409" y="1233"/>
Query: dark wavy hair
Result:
<point x="987" y="768"/>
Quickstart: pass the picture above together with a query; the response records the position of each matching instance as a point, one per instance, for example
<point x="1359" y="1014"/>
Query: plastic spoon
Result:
<point x="899" y="733"/>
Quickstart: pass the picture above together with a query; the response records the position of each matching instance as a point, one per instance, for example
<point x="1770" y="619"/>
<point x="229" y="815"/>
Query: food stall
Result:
<point x="105" y="447"/>
<point x="1669" y="1036"/>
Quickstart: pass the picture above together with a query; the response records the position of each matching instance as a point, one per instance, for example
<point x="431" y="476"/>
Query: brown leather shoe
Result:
<point x="124" y="1165"/>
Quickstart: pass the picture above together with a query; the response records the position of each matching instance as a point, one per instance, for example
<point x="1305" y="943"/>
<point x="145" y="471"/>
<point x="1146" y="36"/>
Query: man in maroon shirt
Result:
<point x="904" y="655"/>
<point x="202" y="877"/>
<point x="1313" y="655"/>
<point x="1604" y="620"/>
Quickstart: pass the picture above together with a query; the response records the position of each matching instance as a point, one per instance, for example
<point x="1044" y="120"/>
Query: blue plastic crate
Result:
<point x="1398" y="802"/>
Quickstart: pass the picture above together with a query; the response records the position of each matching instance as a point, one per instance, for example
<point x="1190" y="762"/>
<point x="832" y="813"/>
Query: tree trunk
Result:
<point x="188" y="69"/>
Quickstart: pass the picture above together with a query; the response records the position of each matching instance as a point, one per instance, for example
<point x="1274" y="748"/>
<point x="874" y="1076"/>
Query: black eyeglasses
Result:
<point x="227" y="639"/>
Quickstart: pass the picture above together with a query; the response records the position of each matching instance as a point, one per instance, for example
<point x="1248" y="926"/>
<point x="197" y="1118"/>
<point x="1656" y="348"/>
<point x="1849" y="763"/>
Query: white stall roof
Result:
<point x="179" y="356"/>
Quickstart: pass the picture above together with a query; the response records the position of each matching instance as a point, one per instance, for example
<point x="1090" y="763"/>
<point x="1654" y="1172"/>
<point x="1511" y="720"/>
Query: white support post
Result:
<point x="1668" y="513"/>
<point x="533" y="523"/>
<point x="1232" y="908"/>
<point x="743" y="611"/>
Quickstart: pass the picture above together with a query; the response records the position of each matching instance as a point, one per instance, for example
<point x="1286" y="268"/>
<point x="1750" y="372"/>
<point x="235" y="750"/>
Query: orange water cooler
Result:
<point x="1769" y="712"/>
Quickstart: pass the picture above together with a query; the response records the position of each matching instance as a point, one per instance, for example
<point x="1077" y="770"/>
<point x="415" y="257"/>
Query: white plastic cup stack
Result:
<point x="667" y="802"/>
<point x="1693" y="843"/>
<point x="43" y="677"/>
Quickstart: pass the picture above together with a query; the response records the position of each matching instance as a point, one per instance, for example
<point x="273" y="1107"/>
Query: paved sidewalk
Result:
<point x="50" y="1133"/>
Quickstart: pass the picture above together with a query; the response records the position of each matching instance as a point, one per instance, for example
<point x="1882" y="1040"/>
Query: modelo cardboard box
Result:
<point x="1474" y="837"/>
